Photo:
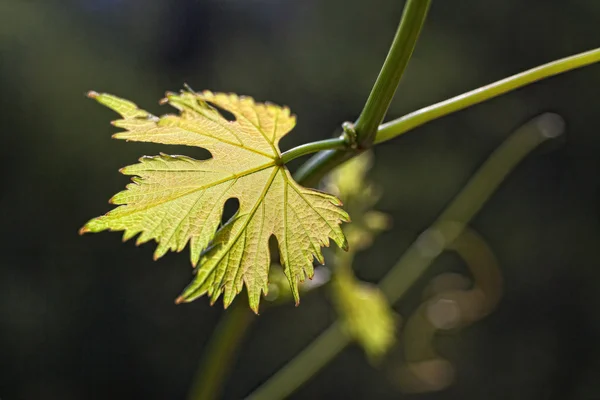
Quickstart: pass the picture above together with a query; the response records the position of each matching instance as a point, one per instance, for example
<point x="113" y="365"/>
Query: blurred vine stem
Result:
<point x="424" y="250"/>
<point x="357" y="137"/>
<point x="317" y="166"/>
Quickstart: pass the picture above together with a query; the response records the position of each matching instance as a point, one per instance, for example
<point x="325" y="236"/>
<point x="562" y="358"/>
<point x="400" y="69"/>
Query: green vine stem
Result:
<point x="315" y="168"/>
<point x="378" y="102"/>
<point x="410" y="121"/>
<point x="314" y="357"/>
<point x="382" y="93"/>
<point x="421" y="253"/>
<point x="321" y="163"/>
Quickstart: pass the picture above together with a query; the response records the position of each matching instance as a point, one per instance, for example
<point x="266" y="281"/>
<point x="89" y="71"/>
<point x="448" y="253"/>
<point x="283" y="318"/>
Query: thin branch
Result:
<point x="321" y="163"/>
<point x="314" y="357"/>
<point x="394" y="128"/>
<point x="378" y="102"/>
<point x="313" y="147"/>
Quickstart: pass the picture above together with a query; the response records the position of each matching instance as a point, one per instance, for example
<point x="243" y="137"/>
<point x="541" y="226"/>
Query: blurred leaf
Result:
<point x="359" y="195"/>
<point x="365" y="313"/>
<point x="176" y="199"/>
<point x="279" y="288"/>
<point x="362" y="307"/>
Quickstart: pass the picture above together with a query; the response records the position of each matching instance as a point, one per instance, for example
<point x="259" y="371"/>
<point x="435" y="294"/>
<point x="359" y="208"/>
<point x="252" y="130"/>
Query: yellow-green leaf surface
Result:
<point x="177" y="200"/>
<point x="365" y="315"/>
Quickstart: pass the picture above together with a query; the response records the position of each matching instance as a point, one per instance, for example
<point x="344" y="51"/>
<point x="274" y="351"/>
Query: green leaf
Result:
<point x="362" y="308"/>
<point x="176" y="199"/>
<point x="365" y="314"/>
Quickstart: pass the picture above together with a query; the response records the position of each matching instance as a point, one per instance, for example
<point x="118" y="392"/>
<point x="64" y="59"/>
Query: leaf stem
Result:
<point x="394" y="128"/>
<point x="382" y="93"/>
<point x="221" y="348"/>
<point x="313" y="147"/>
<point x="421" y="253"/>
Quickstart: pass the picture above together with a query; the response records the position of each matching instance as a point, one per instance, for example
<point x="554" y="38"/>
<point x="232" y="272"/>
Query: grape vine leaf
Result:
<point x="177" y="199"/>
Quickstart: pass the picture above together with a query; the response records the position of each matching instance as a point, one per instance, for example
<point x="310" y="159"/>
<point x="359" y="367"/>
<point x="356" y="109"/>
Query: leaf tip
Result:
<point x="179" y="300"/>
<point x="92" y="94"/>
<point x="254" y="308"/>
<point x="320" y="258"/>
<point x="84" y="229"/>
<point x="345" y="246"/>
<point x="188" y="88"/>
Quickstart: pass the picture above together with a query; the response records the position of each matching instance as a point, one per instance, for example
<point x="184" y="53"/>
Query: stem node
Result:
<point x="349" y="135"/>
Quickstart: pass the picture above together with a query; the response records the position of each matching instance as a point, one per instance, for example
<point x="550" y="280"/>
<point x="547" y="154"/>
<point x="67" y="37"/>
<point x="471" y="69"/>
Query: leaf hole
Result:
<point x="224" y="113"/>
<point x="274" y="249"/>
<point x="230" y="208"/>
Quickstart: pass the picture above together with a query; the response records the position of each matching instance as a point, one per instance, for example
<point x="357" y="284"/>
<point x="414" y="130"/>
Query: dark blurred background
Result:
<point x="91" y="318"/>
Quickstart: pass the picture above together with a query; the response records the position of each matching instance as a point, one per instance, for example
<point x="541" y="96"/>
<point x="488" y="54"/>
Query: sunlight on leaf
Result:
<point x="176" y="199"/>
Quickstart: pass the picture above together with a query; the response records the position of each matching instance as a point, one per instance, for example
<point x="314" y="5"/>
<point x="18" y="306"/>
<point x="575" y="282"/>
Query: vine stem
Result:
<point x="382" y="93"/>
<point x="321" y="163"/>
<point x="410" y="121"/>
<point x="428" y="246"/>
<point x="378" y="102"/>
